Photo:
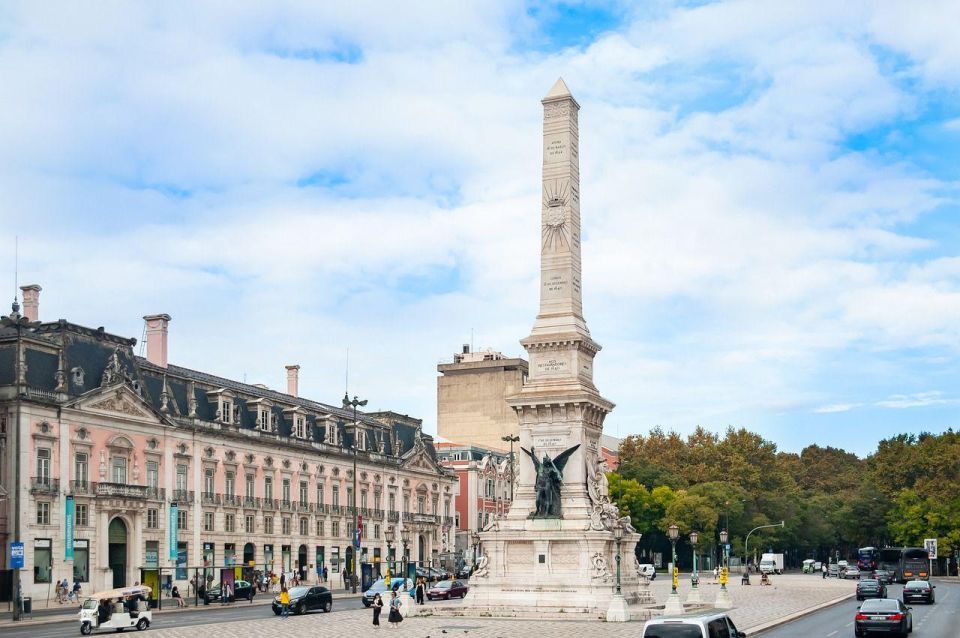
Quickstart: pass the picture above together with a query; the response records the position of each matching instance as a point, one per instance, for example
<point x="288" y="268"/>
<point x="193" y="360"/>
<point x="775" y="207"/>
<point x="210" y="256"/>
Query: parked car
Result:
<point x="648" y="570"/>
<point x="883" y="615"/>
<point x="850" y="572"/>
<point x="870" y="588"/>
<point x="438" y="574"/>
<point x="242" y="590"/>
<point x="919" y="590"/>
<point x="447" y="589"/>
<point x="884" y="576"/>
<point x="304" y="599"/>
<point x="818" y="566"/>
<point x="380" y="587"/>
<point x="833" y="571"/>
<point x="843" y="564"/>
<point x="702" y="626"/>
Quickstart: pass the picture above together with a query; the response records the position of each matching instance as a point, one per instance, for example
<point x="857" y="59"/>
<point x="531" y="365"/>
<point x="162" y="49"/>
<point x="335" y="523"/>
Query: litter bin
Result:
<point x="27" y="605"/>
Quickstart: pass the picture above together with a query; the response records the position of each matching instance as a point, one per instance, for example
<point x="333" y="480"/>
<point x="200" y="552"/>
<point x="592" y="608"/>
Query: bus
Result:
<point x="890" y="558"/>
<point x="915" y="564"/>
<point x="868" y="559"/>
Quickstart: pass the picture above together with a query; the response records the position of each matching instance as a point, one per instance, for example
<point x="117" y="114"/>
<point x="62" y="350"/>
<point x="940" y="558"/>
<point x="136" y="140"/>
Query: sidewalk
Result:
<point x="67" y="611"/>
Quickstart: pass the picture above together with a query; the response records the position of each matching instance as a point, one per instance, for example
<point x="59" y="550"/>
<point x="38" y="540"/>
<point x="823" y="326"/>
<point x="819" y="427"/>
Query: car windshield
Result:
<point x="90" y="604"/>
<point x="881" y="604"/>
<point x="296" y="592"/>
<point x="673" y="631"/>
<point x="917" y="584"/>
<point x="444" y="584"/>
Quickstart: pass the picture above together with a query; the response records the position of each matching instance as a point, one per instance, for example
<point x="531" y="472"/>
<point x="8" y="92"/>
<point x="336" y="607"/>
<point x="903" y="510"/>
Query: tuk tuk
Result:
<point x="116" y="609"/>
<point x="809" y="566"/>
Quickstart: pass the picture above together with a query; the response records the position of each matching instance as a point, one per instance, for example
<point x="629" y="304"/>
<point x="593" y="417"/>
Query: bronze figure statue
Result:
<point x="549" y="481"/>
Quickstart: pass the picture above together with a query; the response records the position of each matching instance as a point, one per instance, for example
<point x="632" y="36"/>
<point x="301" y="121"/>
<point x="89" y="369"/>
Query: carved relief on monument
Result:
<point x="564" y="557"/>
<point x="519" y="554"/>
<point x="556" y="111"/>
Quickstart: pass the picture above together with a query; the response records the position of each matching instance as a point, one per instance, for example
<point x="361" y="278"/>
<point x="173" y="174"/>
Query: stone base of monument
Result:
<point x="618" y="611"/>
<point x="673" y="606"/>
<point x="693" y="598"/>
<point x="723" y="600"/>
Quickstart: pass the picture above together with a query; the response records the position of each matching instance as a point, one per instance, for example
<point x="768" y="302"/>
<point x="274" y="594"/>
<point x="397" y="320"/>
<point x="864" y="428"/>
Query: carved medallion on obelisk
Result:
<point x="556" y="215"/>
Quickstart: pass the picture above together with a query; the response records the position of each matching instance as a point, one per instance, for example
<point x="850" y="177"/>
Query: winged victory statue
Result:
<point x="549" y="481"/>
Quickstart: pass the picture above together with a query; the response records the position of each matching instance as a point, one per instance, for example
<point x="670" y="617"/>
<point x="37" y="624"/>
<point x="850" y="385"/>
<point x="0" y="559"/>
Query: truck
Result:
<point x="771" y="564"/>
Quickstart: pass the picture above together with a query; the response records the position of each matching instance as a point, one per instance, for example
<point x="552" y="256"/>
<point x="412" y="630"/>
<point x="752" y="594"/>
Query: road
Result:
<point x="196" y="616"/>
<point x="939" y="620"/>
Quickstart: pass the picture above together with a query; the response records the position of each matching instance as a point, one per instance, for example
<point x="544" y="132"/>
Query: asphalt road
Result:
<point x="198" y="616"/>
<point x="939" y="620"/>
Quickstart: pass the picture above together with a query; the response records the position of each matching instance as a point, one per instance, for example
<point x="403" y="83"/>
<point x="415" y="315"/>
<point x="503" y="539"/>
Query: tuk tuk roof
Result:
<point x="809" y="561"/>
<point x="122" y="592"/>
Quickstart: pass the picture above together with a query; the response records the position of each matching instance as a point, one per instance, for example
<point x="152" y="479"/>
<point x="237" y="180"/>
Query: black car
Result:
<point x="883" y="615"/>
<point x="242" y="590"/>
<point x="919" y="591"/>
<point x="304" y="599"/>
<point x="884" y="576"/>
<point x="871" y="588"/>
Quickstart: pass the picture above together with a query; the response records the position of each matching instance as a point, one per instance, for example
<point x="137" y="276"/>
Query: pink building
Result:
<point x="116" y="468"/>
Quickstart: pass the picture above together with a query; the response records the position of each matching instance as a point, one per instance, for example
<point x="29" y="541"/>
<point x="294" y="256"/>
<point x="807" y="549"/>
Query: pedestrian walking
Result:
<point x="76" y="589"/>
<point x="823" y="570"/>
<point x="395" y="617"/>
<point x="716" y="574"/>
<point x="377" y="606"/>
<point x="284" y="603"/>
<point x="324" y="573"/>
<point x="421" y="590"/>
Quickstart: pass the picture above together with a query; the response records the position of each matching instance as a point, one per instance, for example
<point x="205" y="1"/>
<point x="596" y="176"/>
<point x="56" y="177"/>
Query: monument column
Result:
<point x="560" y="527"/>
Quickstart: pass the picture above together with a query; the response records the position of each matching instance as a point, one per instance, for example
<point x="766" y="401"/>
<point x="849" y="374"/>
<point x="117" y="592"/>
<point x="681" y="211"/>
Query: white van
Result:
<point x="703" y="626"/>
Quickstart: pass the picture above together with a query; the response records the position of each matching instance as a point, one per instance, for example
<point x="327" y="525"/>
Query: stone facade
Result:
<point x="250" y="476"/>
<point x="471" y="398"/>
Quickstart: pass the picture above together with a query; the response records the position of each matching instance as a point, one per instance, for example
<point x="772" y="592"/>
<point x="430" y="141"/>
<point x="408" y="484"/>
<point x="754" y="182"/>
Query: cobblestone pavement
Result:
<point x="754" y="606"/>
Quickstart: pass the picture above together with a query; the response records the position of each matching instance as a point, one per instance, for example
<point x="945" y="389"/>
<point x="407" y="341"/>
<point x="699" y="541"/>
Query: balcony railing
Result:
<point x="251" y="501"/>
<point x="181" y="496"/>
<point x="231" y="500"/>
<point x="303" y="506"/>
<point x="81" y="487"/>
<point x="424" y="518"/>
<point x="44" y="485"/>
<point x="393" y="517"/>
<point x="122" y="490"/>
<point x="269" y="504"/>
<point x="210" y="498"/>
<point x="286" y="506"/>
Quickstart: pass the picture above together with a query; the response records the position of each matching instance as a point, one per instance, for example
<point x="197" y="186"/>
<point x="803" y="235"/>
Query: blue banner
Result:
<point x="172" y="532"/>
<point x="68" y="529"/>
<point x="16" y="555"/>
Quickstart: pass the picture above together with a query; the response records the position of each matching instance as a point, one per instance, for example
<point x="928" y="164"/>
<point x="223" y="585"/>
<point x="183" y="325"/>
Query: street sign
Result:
<point x="16" y="555"/>
<point x="930" y="544"/>
<point x="356" y="541"/>
<point x="728" y="547"/>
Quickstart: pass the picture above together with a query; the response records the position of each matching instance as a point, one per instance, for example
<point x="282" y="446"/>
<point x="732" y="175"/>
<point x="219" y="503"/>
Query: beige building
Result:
<point x="471" y="398"/>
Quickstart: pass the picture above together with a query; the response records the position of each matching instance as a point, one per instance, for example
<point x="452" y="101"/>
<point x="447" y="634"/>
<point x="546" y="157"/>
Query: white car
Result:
<point x="647" y="571"/>
<point x="703" y="626"/>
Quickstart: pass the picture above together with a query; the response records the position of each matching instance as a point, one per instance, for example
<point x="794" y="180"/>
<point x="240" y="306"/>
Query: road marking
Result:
<point x="832" y="633"/>
<point x="849" y="624"/>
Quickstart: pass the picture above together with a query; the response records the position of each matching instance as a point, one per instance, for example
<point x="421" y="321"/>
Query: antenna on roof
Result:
<point x="471" y="339"/>
<point x="346" y="374"/>
<point x="16" y="271"/>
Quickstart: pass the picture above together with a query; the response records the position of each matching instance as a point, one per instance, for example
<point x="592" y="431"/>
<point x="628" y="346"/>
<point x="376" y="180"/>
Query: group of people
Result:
<point x="66" y="593"/>
<point x="394" y="617"/>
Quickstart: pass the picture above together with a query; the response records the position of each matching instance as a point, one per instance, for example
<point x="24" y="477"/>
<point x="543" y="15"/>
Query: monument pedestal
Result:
<point x="673" y="605"/>
<point x="694" y="597"/>
<point x="723" y="599"/>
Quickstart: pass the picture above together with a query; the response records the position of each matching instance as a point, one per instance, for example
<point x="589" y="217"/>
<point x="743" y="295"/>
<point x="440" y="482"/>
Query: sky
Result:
<point x="770" y="196"/>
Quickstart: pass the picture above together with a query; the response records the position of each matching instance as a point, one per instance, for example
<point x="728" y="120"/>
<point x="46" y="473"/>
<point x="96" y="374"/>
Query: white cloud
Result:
<point x="836" y="407"/>
<point x="917" y="400"/>
<point x="737" y="254"/>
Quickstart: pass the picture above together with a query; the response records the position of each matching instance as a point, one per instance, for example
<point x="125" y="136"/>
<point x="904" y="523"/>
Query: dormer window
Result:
<point x="225" y="405"/>
<point x="299" y="426"/>
<point x="264" y="412"/>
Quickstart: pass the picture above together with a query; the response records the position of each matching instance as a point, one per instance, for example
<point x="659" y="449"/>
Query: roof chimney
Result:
<point x="293" y="380"/>
<point x="31" y="301"/>
<point x="157" y="339"/>
<point x="466" y="348"/>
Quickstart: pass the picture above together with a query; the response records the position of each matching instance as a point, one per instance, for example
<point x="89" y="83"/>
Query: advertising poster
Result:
<point x="68" y="529"/>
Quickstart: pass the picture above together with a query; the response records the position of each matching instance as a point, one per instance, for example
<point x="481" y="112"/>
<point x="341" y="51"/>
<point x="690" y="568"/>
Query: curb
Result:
<point x="758" y="629"/>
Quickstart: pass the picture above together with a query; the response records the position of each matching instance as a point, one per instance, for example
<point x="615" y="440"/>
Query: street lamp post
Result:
<point x="723" y="596"/>
<point x="405" y="539"/>
<point x="475" y="541"/>
<point x="355" y="402"/>
<point x="388" y="536"/>
<point x="618" y="610"/>
<point x="673" y="604"/>
<point x="694" y="596"/>
<point x="511" y="440"/>
<point x="746" y="542"/>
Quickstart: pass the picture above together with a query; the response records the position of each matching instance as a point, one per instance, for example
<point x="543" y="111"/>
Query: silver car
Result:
<point x="701" y="626"/>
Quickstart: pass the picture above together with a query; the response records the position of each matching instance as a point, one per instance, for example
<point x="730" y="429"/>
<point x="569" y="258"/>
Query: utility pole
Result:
<point x="347" y="403"/>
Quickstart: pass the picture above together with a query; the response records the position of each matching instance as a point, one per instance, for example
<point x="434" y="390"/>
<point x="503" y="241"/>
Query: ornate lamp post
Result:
<point x="347" y="403"/>
<point x="475" y="541"/>
<point x="511" y="440"/>
<point x="673" y="604"/>
<point x="389" y="536"/>
<point x="618" y="610"/>
<point x="405" y="539"/>
<point x="694" y="596"/>
<point x="723" y="596"/>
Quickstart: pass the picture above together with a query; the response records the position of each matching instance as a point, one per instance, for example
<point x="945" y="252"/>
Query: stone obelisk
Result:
<point x="530" y="563"/>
